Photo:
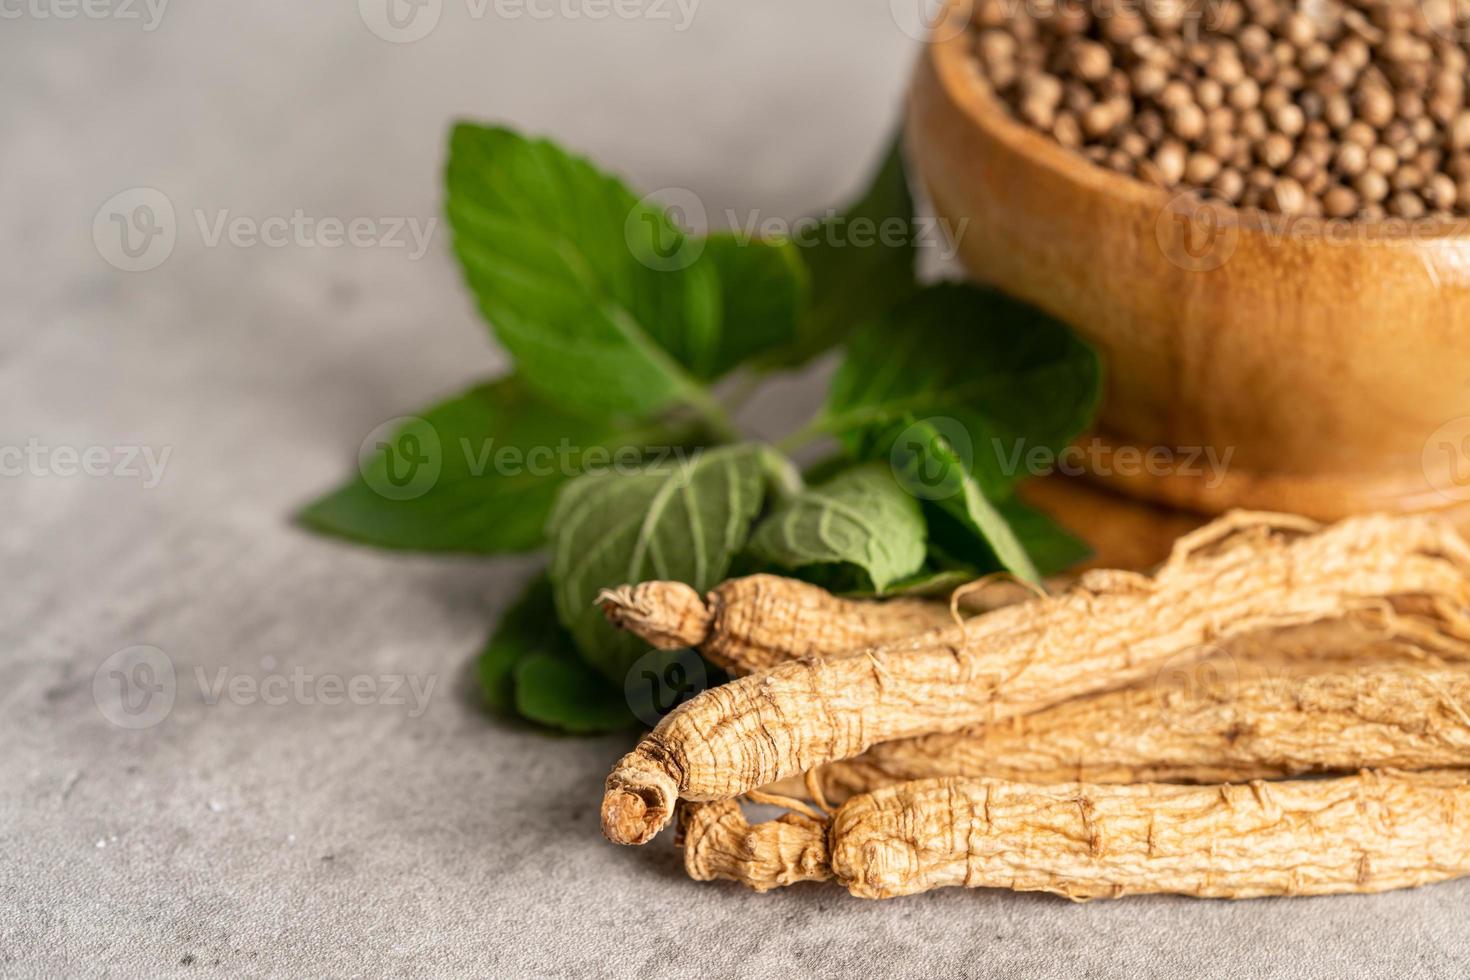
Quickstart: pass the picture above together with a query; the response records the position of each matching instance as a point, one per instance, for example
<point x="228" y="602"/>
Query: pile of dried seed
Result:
<point x="1335" y="108"/>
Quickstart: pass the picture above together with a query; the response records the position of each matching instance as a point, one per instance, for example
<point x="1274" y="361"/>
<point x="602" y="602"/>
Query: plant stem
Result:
<point x="808" y="433"/>
<point x="785" y="477"/>
<point x="712" y="415"/>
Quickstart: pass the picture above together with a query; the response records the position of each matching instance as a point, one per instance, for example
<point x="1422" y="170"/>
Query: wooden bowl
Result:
<point x="1332" y="362"/>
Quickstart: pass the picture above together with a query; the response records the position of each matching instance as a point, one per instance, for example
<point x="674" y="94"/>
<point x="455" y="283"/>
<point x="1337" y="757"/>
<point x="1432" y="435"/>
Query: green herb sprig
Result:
<point x="630" y="338"/>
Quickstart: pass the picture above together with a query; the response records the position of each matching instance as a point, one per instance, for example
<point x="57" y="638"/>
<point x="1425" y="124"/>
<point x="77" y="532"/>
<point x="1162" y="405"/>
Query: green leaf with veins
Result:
<point x="494" y="490"/>
<point x="955" y="389"/>
<point x="860" y="517"/>
<point x="607" y="307"/>
<point x="683" y="520"/>
<point x="1051" y="547"/>
<point x="925" y="458"/>
<point x="1013" y="378"/>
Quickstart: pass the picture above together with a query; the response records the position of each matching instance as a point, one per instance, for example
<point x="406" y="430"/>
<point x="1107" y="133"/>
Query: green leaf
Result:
<point x="861" y="260"/>
<point x="861" y="517"/>
<point x="953" y="543"/>
<point x="763" y="291"/>
<point x="547" y="242"/>
<point x="527" y="627"/>
<point x="956" y="389"/>
<point x="932" y="582"/>
<point x="607" y="306"/>
<point x="564" y="692"/>
<point x="925" y="460"/>
<point x="1052" y="547"/>
<point x="530" y="667"/>
<point x="682" y="519"/>
<point x="478" y="473"/>
<point x="1000" y="379"/>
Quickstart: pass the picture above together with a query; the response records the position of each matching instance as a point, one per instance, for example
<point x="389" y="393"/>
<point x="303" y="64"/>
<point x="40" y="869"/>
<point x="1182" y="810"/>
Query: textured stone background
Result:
<point x="310" y="839"/>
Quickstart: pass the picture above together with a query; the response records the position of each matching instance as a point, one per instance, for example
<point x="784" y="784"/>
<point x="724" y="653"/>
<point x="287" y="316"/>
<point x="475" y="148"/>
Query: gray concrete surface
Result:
<point x="242" y="837"/>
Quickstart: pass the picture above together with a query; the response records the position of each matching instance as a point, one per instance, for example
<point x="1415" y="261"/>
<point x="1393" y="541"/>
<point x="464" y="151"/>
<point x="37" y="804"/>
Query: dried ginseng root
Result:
<point x="747" y="624"/>
<point x="1243" y="721"/>
<point x="1370" y="832"/>
<point x="1237" y="575"/>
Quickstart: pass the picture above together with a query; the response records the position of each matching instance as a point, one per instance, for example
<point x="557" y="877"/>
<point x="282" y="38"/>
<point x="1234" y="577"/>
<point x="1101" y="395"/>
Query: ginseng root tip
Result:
<point x="668" y="615"/>
<point x="635" y="809"/>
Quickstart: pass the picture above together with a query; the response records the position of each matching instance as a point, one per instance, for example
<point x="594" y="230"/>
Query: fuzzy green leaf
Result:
<point x="861" y="517"/>
<point x="682" y="519"/>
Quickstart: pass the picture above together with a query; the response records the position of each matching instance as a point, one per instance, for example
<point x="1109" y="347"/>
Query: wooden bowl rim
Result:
<point x="959" y="75"/>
